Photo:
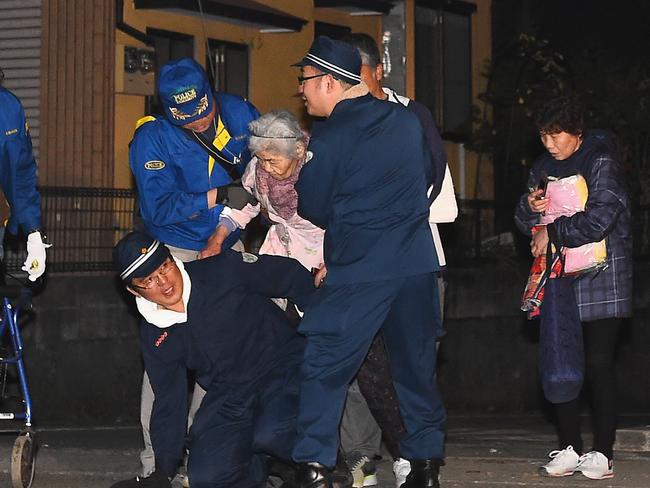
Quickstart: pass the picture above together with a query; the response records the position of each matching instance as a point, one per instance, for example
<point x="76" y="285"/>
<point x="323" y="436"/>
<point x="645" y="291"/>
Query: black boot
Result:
<point x="286" y="471"/>
<point x="424" y="474"/>
<point x="315" y="475"/>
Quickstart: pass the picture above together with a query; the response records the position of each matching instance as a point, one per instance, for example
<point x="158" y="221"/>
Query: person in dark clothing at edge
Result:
<point x="18" y="180"/>
<point x="215" y="316"/>
<point x="604" y="298"/>
<point x="370" y="196"/>
<point x="360" y="435"/>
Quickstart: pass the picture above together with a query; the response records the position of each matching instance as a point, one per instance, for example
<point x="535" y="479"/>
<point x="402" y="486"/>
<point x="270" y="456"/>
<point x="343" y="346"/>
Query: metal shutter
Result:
<point x="20" y="57"/>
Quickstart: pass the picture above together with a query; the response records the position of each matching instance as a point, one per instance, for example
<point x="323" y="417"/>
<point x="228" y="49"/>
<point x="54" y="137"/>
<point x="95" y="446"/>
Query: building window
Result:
<point x="169" y="45"/>
<point x="227" y="66"/>
<point x="443" y="79"/>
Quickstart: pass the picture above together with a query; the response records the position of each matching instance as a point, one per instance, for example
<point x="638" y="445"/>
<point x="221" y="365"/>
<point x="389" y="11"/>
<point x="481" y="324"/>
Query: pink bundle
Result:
<point x="568" y="196"/>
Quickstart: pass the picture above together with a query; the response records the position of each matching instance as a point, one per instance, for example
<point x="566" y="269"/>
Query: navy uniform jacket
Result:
<point x="233" y="336"/>
<point x="17" y="166"/>
<point x="366" y="186"/>
<point x="173" y="173"/>
<point x="431" y="134"/>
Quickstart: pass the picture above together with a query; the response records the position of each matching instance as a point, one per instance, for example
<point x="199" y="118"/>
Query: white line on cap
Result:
<point x="140" y="260"/>
<point x="333" y="67"/>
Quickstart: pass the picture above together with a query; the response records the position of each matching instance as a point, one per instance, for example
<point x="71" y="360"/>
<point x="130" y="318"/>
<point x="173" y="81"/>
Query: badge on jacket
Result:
<point x="248" y="257"/>
<point x="154" y="165"/>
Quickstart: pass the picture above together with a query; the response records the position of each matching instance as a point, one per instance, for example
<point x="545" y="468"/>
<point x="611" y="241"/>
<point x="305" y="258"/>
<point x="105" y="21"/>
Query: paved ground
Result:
<point x="486" y="452"/>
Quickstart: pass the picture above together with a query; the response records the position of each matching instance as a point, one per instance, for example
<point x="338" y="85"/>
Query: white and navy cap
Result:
<point x="337" y="58"/>
<point x="137" y="255"/>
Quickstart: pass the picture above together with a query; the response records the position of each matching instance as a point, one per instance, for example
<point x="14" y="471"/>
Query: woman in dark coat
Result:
<point x="603" y="298"/>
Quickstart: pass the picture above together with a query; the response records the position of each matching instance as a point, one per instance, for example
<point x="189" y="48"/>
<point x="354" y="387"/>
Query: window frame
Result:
<point x="438" y="79"/>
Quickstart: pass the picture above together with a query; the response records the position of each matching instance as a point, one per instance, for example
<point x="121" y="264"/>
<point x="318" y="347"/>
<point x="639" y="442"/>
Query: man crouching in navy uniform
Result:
<point x="366" y="185"/>
<point x="215" y="316"/>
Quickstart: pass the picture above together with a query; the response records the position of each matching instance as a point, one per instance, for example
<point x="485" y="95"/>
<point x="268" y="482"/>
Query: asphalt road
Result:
<point x="483" y="452"/>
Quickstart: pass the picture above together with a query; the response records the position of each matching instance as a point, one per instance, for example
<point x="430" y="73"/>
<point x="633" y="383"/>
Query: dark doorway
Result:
<point x="169" y="45"/>
<point x="227" y="67"/>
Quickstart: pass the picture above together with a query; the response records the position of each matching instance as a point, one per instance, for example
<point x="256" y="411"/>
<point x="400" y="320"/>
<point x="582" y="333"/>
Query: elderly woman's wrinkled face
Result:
<point x="277" y="165"/>
<point x="561" y="145"/>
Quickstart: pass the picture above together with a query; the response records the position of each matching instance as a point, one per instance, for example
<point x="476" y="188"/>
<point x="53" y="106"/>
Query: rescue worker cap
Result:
<point x="137" y="255"/>
<point x="185" y="91"/>
<point x="337" y="58"/>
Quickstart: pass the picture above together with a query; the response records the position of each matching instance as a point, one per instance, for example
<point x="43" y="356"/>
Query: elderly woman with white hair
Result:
<point x="279" y="148"/>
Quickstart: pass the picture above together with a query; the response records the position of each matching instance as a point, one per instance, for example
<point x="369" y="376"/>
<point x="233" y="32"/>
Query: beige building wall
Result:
<point x="273" y="82"/>
<point x="76" y="99"/>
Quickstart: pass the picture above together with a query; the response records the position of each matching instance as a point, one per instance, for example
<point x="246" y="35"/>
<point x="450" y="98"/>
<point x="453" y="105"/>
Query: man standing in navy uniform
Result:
<point x="18" y="181"/>
<point x="366" y="185"/>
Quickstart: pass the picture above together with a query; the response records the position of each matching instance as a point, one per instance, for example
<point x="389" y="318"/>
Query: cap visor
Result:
<point x="173" y="120"/>
<point x="301" y="63"/>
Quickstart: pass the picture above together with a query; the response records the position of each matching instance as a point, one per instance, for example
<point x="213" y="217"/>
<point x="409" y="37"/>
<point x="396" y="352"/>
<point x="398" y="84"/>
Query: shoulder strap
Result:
<point x="208" y="147"/>
<point x="553" y="250"/>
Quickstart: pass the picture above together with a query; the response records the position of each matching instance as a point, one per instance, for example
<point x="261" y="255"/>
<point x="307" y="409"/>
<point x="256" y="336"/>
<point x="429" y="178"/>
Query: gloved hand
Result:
<point x="234" y="195"/>
<point x="35" y="262"/>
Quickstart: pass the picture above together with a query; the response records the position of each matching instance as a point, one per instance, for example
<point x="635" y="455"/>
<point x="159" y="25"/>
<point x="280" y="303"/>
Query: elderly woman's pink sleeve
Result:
<point x="248" y="178"/>
<point x="241" y="217"/>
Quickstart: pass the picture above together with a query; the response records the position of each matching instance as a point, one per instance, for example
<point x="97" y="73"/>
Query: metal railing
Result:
<point x="474" y="233"/>
<point x="83" y="224"/>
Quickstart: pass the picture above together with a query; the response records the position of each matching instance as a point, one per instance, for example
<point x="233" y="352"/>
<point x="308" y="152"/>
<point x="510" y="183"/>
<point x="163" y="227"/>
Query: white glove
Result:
<point x="35" y="262"/>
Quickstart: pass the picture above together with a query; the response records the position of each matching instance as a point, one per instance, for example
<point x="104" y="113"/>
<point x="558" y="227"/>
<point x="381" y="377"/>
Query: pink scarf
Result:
<point x="282" y="194"/>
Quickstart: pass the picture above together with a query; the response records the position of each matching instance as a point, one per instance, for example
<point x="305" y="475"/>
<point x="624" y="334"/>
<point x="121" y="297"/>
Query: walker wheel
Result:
<point x="22" y="461"/>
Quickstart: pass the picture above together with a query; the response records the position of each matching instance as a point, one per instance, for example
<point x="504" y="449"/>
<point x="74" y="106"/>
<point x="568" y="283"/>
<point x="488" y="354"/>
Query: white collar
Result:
<point x="162" y="317"/>
<point x="394" y="97"/>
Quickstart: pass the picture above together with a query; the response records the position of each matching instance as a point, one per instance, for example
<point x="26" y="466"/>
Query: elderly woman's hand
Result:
<point x="319" y="275"/>
<point x="215" y="242"/>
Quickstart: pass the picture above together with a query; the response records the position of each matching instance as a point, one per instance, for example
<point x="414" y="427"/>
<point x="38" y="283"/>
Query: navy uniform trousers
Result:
<point x="340" y="323"/>
<point x="235" y="428"/>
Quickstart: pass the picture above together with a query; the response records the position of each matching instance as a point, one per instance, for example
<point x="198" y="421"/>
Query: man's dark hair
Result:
<point x="366" y="46"/>
<point x="560" y="114"/>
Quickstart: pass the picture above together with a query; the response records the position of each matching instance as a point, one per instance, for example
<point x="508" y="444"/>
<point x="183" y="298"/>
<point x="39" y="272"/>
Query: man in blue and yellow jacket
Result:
<point x="180" y="161"/>
<point x="18" y="181"/>
<point x="185" y="167"/>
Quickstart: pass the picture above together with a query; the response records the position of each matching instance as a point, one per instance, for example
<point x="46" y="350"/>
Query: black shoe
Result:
<point x="152" y="481"/>
<point x="284" y="472"/>
<point x="315" y="475"/>
<point x="424" y="474"/>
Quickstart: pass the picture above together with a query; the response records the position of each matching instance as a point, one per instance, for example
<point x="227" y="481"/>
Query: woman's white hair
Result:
<point x="277" y="132"/>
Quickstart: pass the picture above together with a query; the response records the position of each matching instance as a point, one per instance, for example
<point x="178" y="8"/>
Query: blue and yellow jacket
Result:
<point x="173" y="173"/>
<point x="18" y="166"/>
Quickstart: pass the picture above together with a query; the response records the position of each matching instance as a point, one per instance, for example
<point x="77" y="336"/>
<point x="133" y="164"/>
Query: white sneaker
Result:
<point x="563" y="463"/>
<point x="401" y="469"/>
<point x="594" y="465"/>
